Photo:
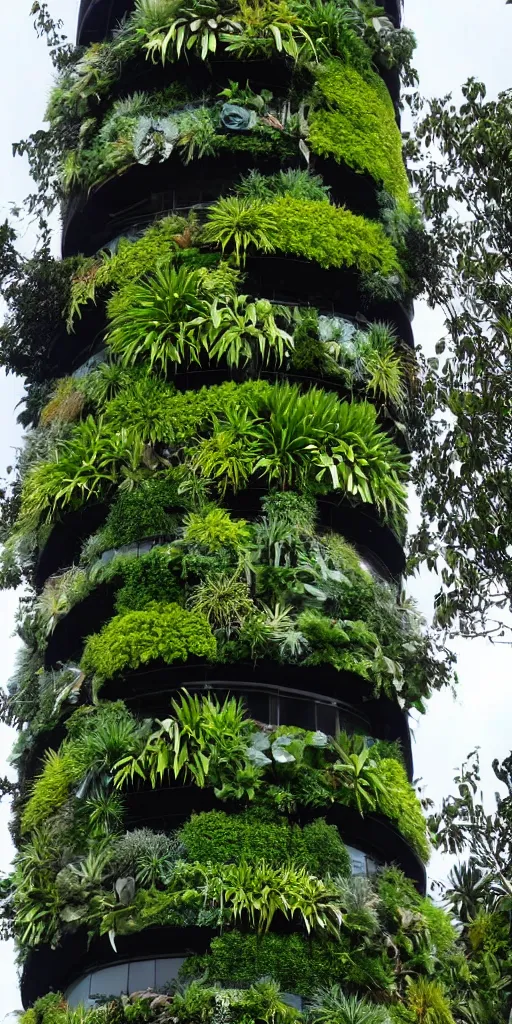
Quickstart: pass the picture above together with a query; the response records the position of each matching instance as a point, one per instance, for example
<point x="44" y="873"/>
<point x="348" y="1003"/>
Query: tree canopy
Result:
<point x="463" y="173"/>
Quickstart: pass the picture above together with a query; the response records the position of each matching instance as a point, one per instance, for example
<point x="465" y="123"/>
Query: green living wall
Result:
<point x="303" y="404"/>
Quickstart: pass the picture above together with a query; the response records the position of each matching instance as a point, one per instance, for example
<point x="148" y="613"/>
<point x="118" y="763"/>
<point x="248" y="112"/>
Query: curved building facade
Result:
<point x="216" y="777"/>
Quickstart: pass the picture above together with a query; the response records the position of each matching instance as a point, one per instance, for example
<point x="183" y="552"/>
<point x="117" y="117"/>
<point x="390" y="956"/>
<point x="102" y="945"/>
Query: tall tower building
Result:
<point x="215" y="761"/>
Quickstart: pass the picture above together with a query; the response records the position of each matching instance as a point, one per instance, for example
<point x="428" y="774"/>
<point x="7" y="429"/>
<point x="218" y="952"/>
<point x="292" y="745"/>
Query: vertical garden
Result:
<point x="215" y="818"/>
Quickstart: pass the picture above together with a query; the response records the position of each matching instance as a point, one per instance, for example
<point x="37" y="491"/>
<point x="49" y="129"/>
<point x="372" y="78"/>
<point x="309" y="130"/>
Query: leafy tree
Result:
<point x="463" y="434"/>
<point x="480" y="891"/>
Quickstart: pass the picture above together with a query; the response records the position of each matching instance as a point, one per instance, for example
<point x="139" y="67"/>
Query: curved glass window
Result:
<point x="123" y="979"/>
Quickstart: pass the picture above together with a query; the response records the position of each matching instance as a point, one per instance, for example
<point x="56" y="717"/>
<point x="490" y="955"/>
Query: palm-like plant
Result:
<point x="258" y="892"/>
<point x="297" y="427"/>
<point x="267" y="27"/>
<point x="358" y="773"/>
<point x="196" y="28"/>
<point x="245" y="328"/>
<point x="360" y="903"/>
<point x="365" y="462"/>
<point x="160" y="318"/>
<point x="224" y="599"/>
<point x="383" y="367"/>
<point x="332" y="1006"/>
<point x="202" y="735"/>
<point x="334" y="27"/>
<point x="105" y="382"/>
<point x="239" y="223"/>
<point x="85" y="465"/>
<point x="227" y="456"/>
<point x="470" y="890"/>
<point x="153" y="15"/>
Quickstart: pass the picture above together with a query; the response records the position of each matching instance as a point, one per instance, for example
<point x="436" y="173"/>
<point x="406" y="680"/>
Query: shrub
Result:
<point x="326" y="854"/>
<point x="360" y="127"/>
<point x="298" y="184"/>
<point x="131" y="260"/>
<point x="147" y="856"/>
<point x="222" y="838"/>
<point x="145" y="579"/>
<point x="428" y="1002"/>
<point x="292" y="511"/>
<point x="150" y="510"/>
<point x="161" y="631"/>
<point x="330" y="235"/>
<point x="253" y="893"/>
<point x="213" y="528"/>
<point x="400" y="803"/>
<point x="84" y="466"/>
<point x="223" y="598"/>
<point x="51" y="788"/>
<point x="341" y="644"/>
<point x="65" y="405"/>
<point x="236" y="223"/>
<point x="161" y="318"/>
<point x="145" y="404"/>
<point x="332" y="1006"/>
<point x="296" y="963"/>
<point x="307" y="441"/>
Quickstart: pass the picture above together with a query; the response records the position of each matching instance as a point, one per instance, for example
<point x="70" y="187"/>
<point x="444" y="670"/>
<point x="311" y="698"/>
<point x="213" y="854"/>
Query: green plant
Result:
<point x="199" y="29"/>
<point x="59" y="595"/>
<point x="330" y="235"/>
<point x="223" y="599"/>
<point x="359" y="774"/>
<point x="145" y="579"/>
<point x="243" y="330"/>
<point x="51" y="788"/>
<point x="427" y="1001"/>
<point x="251" y="892"/>
<point x="150" y="510"/>
<point x="65" y="404"/>
<point x="400" y="803"/>
<point x="302" y="439"/>
<point x="158" y="318"/>
<point x="358" y="127"/>
<point x="332" y="1006"/>
<point x="131" y="260"/>
<point x="241" y="223"/>
<point x="347" y="645"/>
<point x="295" y="962"/>
<point x="296" y="183"/>
<point x="204" y="739"/>
<point x="148" y="856"/>
<point x="85" y="465"/>
<point x="220" y="838"/>
<point x="214" y="528"/>
<point x="160" y="631"/>
<point x="384" y="367"/>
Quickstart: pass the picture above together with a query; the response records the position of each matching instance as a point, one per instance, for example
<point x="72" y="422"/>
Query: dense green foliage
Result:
<point x="358" y="127"/>
<point x="161" y="631"/>
<point x="463" y="435"/>
<point x="314" y="229"/>
<point x="283" y="771"/>
<point x="222" y="838"/>
<point x="310" y="440"/>
<point x="210" y="543"/>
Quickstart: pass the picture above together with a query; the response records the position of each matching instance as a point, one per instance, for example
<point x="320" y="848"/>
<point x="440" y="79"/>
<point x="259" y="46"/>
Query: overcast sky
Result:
<point x="456" y="39"/>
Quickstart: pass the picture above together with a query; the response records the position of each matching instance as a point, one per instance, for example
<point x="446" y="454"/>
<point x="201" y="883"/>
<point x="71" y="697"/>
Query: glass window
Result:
<point x="327" y="718"/>
<point x="361" y="863"/>
<point x="167" y="970"/>
<point x="141" y="975"/>
<point x="111" y="981"/>
<point x="295" y="711"/>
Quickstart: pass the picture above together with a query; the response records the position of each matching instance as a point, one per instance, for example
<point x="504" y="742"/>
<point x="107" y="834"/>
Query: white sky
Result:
<point x="456" y="39"/>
